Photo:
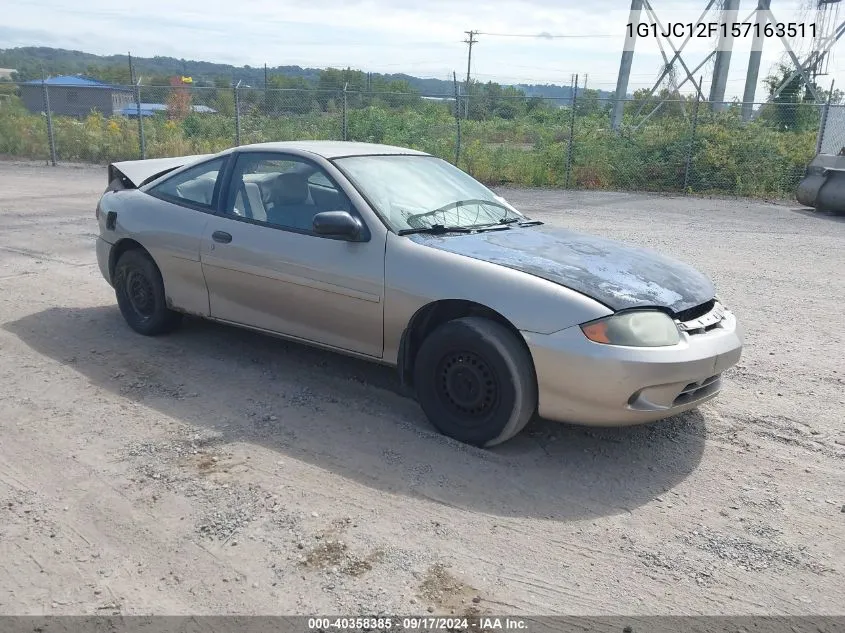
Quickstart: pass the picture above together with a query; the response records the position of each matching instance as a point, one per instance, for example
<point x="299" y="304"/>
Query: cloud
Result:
<point x="425" y="39"/>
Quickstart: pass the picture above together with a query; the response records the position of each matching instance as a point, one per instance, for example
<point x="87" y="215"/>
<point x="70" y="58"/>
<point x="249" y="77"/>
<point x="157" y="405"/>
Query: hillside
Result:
<point x="29" y="60"/>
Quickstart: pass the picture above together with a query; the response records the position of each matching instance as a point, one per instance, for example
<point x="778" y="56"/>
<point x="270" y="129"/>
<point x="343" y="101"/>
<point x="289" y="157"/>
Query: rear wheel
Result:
<point x="140" y="294"/>
<point x="475" y="381"/>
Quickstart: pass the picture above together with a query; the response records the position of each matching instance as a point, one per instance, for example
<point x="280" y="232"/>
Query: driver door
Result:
<point x="266" y="268"/>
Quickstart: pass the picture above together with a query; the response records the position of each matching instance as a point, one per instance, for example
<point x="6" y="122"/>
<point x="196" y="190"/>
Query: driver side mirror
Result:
<point x="337" y="224"/>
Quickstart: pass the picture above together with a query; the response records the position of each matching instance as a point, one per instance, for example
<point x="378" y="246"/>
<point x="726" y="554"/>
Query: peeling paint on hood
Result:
<point x="616" y="274"/>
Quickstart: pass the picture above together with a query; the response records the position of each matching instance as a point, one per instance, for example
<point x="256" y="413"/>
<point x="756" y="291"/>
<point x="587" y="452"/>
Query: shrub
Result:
<point x="726" y="156"/>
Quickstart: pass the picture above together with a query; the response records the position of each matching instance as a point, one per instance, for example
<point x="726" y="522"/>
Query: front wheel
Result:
<point x="140" y="294"/>
<point x="475" y="381"/>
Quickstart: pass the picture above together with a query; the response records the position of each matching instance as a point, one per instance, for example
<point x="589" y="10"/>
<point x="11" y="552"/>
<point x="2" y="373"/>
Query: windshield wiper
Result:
<point x="500" y="225"/>
<point x="436" y="229"/>
<point x="460" y="203"/>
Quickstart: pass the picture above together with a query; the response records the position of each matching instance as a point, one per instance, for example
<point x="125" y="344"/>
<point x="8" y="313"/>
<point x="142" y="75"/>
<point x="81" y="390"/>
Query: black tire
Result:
<point x="475" y="381"/>
<point x="140" y="295"/>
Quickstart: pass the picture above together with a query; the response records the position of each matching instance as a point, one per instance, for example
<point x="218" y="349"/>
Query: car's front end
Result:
<point x="657" y="346"/>
<point x="617" y="334"/>
<point x="598" y="374"/>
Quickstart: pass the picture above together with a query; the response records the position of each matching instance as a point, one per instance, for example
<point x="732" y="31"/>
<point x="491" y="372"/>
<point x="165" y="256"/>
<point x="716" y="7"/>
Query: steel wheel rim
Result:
<point x="141" y="294"/>
<point x="467" y="385"/>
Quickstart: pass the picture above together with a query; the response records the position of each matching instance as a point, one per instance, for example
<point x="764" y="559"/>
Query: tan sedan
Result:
<point x="398" y="257"/>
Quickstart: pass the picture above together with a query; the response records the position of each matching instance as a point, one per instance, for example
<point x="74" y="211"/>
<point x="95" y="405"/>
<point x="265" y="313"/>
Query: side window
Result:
<point x="282" y="191"/>
<point x="320" y="179"/>
<point x="194" y="186"/>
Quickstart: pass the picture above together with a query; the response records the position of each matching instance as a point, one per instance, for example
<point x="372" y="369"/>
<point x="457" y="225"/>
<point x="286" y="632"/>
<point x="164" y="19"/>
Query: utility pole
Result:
<point x="754" y="61"/>
<point x="625" y="65"/>
<point x="469" y="42"/>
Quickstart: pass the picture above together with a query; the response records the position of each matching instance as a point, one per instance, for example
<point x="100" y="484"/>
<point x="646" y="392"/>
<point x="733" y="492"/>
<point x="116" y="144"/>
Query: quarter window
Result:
<point x="194" y="186"/>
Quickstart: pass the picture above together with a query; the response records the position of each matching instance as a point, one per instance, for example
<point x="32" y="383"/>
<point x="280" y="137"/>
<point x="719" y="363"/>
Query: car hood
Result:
<point x="616" y="274"/>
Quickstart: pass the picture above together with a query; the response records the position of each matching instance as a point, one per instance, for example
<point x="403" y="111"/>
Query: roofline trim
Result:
<point x="412" y="153"/>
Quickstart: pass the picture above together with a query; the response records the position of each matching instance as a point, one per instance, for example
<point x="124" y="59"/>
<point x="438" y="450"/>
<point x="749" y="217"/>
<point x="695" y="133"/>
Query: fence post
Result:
<point x="823" y="122"/>
<point x="691" y="147"/>
<point x="344" y="122"/>
<point x="457" y="120"/>
<point x="237" y="114"/>
<point x="141" y="139"/>
<point x="50" y="137"/>
<point x="571" y="133"/>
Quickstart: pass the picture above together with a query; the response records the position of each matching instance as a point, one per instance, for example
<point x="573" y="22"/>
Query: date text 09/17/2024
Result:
<point x="421" y="623"/>
<point x="723" y="29"/>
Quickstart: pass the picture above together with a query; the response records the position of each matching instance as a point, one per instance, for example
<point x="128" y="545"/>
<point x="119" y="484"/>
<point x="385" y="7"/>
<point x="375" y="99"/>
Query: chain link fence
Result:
<point x="682" y="145"/>
<point x="832" y="134"/>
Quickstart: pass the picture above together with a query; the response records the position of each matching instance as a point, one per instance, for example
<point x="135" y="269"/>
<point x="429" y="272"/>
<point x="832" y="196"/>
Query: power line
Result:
<point x="544" y="36"/>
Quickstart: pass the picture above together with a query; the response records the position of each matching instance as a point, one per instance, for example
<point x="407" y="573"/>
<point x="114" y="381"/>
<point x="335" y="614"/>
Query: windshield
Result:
<point x="417" y="192"/>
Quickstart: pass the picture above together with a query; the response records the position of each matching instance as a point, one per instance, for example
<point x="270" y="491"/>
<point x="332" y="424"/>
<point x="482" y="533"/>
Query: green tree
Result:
<point x="397" y="93"/>
<point x="111" y="74"/>
<point x="289" y="95"/>
<point x="535" y="104"/>
<point x="672" y="104"/>
<point x="507" y="102"/>
<point x="224" y="102"/>
<point x="793" y="108"/>
<point x="331" y="82"/>
<point x="588" y="103"/>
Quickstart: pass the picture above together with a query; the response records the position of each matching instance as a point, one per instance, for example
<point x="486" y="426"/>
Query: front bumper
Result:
<point x="583" y="382"/>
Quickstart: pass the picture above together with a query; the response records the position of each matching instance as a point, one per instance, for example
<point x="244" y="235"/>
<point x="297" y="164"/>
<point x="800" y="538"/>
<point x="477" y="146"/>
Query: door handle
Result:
<point x="221" y="236"/>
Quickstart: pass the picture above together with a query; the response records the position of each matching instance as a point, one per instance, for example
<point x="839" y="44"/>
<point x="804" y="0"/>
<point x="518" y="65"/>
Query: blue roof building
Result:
<point x="75" y="95"/>
<point x="70" y="80"/>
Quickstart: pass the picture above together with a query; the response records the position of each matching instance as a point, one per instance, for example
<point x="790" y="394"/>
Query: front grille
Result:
<point x="702" y="330"/>
<point x="697" y="390"/>
<point x="697" y="311"/>
<point x="702" y="322"/>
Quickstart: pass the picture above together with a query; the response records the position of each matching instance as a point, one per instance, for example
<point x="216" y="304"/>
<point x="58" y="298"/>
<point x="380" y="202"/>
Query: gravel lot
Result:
<point x="219" y="471"/>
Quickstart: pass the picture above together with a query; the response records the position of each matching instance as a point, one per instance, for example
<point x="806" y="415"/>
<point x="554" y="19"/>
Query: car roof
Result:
<point x="335" y="149"/>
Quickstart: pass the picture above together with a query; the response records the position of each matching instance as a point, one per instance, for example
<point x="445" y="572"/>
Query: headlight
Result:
<point x="641" y="328"/>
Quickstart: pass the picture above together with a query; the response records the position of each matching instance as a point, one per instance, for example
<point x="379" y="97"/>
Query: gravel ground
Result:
<point x="218" y="471"/>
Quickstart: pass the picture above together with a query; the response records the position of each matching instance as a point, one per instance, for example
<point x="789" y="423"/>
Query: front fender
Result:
<point x="416" y="275"/>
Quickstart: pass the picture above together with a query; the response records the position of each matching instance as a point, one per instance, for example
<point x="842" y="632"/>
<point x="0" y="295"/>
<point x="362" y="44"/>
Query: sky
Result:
<point x="519" y="41"/>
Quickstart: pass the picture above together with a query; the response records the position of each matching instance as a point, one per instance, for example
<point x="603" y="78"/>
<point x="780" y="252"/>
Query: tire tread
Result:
<point x="166" y="320"/>
<point x="512" y="353"/>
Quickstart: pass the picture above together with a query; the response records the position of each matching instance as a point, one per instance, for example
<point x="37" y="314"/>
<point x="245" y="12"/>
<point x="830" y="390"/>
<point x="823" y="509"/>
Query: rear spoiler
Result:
<point x="131" y="174"/>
